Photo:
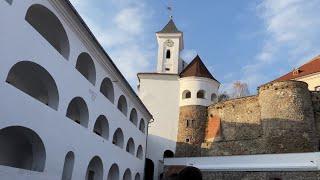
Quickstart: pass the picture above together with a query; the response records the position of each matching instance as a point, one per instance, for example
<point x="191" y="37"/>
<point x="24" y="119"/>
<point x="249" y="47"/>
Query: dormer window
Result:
<point x="296" y="72"/>
<point x="168" y="54"/>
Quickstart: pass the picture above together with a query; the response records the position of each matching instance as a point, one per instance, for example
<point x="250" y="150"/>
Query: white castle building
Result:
<point x="175" y="84"/>
<point x="66" y="110"/>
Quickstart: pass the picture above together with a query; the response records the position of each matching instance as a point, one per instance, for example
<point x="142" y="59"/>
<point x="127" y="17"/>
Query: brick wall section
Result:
<point x="195" y="132"/>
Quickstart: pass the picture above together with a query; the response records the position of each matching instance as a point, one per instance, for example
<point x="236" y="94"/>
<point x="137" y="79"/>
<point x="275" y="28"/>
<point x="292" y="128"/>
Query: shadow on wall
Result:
<point x="270" y="136"/>
<point x="182" y="173"/>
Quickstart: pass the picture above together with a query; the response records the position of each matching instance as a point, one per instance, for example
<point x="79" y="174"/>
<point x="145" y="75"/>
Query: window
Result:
<point x="186" y="94"/>
<point x="68" y="166"/>
<point x="127" y="175"/>
<point x="101" y="127"/>
<point x="168" y="154"/>
<point x="113" y="172"/>
<point x="187" y="140"/>
<point x="187" y="123"/>
<point x="78" y="111"/>
<point x="22" y="148"/>
<point x="134" y="116"/>
<point x="201" y="94"/>
<point x="137" y="177"/>
<point x="95" y="169"/>
<point x="106" y="89"/>
<point x="167" y="69"/>
<point x="49" y="26"/>
<point x="140" y="152"/>
<point x="168" y="54"/>
<point x="118" y="138"/>
<point x="122" y="105"/>
<point x="142" y="126"/>
<point x="86" y="67"/>
<point x="214" y="97"/>
<point x="35" y="81"/>
<point x="130" y="146"/>
<point x="317" y="88"/>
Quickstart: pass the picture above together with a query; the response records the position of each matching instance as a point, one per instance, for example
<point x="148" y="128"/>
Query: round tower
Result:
<point x="198" y="89"/>
<point x="287" y="117"/>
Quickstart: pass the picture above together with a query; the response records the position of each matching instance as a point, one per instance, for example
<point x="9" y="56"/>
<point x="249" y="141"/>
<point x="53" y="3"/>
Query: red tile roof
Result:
<point x="313" y="66"/>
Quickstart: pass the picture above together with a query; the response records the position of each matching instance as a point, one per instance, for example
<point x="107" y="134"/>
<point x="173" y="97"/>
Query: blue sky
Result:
<point x="252" y="41"/>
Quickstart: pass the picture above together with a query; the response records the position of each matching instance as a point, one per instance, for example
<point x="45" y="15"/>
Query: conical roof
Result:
<point x="197" y="68"/>
<point x="170" y="28"/>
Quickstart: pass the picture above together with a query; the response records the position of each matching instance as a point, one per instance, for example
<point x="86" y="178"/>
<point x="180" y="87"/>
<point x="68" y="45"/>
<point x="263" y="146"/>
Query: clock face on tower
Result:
<point x="169" y="43"/>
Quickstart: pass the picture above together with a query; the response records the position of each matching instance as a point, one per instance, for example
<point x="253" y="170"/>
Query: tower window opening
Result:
<point x="188" y="123"/>
<point x="201" y="94"/>
<point x="167" y="69"/>
<point x="168" y="54"/>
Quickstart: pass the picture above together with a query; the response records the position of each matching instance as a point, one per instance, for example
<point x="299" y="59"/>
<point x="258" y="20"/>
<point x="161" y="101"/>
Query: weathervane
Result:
<point x="170" y="10"/>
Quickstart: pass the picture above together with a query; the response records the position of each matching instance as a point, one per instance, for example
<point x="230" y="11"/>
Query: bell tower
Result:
<point x="170" y="44"/>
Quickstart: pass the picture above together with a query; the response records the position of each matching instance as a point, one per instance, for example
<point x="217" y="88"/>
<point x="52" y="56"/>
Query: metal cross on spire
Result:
<point x="170" y="9"/>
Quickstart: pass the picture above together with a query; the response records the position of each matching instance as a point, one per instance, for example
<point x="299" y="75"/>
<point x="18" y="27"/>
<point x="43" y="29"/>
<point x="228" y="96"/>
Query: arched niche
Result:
<point x="22" y="148"/>
<point x="140" y="152"/>
<point x="137" y="177"/>
<point x="130" y="148"/>
<point x="95" y="169"/>
<point x="101" y="127"/>
<point x="127" y="175"/>
<point x="118" y="138"/>
<point x="134" y="116"/>
<point x="49" y="26"/>
<point x="78" y="111"/>
<point x="123" y="105"/>
<point x="113" y="172"/>
<point x="35" y="81"/>
<point x="186" y="94"/>
<point x="107" y="90"/>
<point x="86" y="67"/>
<point x="168" y="154"/>
<point x="142" y="126"/>
<point x="68" y="166"/>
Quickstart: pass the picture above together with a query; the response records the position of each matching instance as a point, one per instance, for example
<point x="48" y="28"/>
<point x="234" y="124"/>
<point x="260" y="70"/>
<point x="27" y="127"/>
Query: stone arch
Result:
<point x="190" y="173"/>
<point x="68" y="166"/>
<point x="168" y="154"/>
<point x="214" y="97"/>
<point x="113" y="172"/>
<point x="142" y="126"/>
<point x="118" y="138"/>
<point x="127" y="175"/>
<point x="130" y="146"/>
<point x="22" y="148"/>
<point x="95" y="169"/>
<point x="149" y="169"/>
<point x="107" y="90"/>
<point x="123" y="105"/>
<point x="78" y="111"/>
<point x="49" y="26"/>
<point x="85" y="66"/>
<point x="134" y="116"/>
<point x="140" y="152"/>
<point x="101" y="127"/>
<point x="137" y="177"/>
<point x="201" y="94"/>
<point x="35" y="81"/>
<point x="186" y="94"/>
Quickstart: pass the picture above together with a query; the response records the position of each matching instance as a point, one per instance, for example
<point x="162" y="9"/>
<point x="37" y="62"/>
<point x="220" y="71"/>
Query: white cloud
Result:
<point x="119" y="26"/>
<point x="291" y="36"/>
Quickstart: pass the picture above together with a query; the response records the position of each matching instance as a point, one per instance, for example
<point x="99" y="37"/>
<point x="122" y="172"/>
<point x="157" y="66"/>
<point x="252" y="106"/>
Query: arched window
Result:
<point x="118" y="138"/>
<point x="122" y="105"/>
<point x="149" y="169"/>
<point x="101" y="127"/>
<point x="214" y="97"/>
<point x="142" y="126"/>
<point x="127" y="175"/>
<point x="168" y="54"/>
<point x="106" y="89"/>
<point x="130" y="146"/>
<point x="9" y="1"/>
<point x="186" y="94"/>
<point x="35" y="81"/>
<point x="134" y="116"/>
<point x="201" y="94"/>
<point x="68" y="166"/>
<point x="50" y="27"/>
<point x="137" y="177"/>
<point x="113" y="172"/>
<point x="86" y="67"/>
<point x="140" y="152"/>
<point x="95" y="169"/>
<point x="78" y="111"/>
<point x="168" y="154"/>
<point x="22" y="148"/>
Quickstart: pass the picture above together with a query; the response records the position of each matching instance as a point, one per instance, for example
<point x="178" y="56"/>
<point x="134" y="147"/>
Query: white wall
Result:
<point x="160" y="94"/>
<point x="313" y="80"/>
<point x="19" y="42"/>
<point x="194" y="84"/>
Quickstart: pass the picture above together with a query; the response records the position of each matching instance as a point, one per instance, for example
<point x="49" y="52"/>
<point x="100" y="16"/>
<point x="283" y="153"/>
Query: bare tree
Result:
<point x="240" y="89"/>
<point x="223" y="97"/>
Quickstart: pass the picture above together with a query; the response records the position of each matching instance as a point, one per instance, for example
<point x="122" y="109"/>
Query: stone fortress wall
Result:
<point x="283" y="118"/>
